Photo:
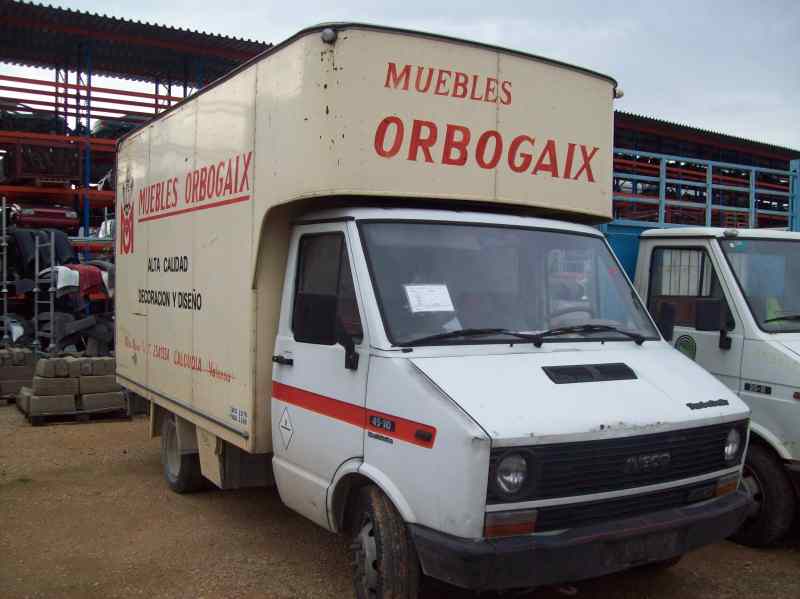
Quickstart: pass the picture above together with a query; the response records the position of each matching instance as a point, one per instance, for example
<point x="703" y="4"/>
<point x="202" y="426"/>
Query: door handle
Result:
<point x="279" y="359"/>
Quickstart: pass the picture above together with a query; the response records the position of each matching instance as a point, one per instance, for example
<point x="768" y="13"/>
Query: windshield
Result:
<point x="768" y="272"/>
<point x="434" y="278"/>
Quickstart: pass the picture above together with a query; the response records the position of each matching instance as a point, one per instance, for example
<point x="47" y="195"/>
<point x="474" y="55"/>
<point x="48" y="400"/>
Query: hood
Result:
<point x="513" y="398"/>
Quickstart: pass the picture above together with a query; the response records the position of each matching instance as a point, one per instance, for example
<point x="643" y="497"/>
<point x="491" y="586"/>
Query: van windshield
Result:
<point x="437" y="278"/>
<point x="768" y="272"/>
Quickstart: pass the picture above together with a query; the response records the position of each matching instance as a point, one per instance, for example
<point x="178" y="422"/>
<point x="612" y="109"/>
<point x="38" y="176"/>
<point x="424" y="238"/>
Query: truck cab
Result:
<point x="503" y="386"/>
<point x="729" y="299"/>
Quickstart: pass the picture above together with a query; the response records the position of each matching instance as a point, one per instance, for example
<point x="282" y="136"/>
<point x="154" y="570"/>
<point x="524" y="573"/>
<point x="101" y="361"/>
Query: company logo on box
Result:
<point x="126" y="217"/>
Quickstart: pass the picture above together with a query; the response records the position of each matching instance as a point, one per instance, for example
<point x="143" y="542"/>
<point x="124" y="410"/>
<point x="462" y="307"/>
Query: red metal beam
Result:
<point x="61" y="95"/>
<point x="94" y="88"/>
<point x="97" y="143"/>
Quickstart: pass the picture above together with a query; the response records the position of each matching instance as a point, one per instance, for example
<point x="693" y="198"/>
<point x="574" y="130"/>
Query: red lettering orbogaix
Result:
<point x="218" y="180"/>
<point x="455" y="148"/>
<point x="447" y="82"/>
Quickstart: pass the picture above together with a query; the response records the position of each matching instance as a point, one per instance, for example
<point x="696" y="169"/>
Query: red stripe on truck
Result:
<point x="370" y="420"/>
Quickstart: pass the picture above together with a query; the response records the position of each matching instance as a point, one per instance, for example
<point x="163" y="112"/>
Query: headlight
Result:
<point x="511" y="473"/>
<point x="732" y="445"/>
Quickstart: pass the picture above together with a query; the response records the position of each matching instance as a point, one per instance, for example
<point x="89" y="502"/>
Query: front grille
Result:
<point x="583" y="468"/>
<point x="584" y="514"/>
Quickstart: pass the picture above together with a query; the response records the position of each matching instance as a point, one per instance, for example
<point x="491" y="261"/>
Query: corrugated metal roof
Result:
<point x="33" y="34"/>
<point x="786" y="153"/>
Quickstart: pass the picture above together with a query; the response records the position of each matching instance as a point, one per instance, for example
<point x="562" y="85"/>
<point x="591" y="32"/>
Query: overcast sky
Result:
<point x="729" y="65"/>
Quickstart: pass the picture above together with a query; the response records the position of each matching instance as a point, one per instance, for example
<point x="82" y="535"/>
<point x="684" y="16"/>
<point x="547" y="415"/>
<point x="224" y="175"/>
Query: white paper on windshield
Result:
<point x="429" y="298"/>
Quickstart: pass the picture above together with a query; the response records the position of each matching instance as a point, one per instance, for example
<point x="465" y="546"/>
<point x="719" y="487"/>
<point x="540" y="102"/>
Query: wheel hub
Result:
<point x="366" y="558"/>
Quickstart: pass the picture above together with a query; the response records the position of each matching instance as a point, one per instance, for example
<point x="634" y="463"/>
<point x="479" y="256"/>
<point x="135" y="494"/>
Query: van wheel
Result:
<point x="385" y="562"/>
<point x="182" y="471"/>
<point x="765" y="479"/>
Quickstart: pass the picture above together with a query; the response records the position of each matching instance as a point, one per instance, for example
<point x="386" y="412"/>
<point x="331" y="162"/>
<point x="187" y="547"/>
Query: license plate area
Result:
<point x="643" y="549"/>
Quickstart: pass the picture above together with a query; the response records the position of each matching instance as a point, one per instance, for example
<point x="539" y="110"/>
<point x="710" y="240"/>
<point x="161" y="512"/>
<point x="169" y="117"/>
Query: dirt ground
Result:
<point x="84" y="512"/>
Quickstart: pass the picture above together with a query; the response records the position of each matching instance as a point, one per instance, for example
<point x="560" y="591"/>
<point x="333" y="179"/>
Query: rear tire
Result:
<point x="181" y="471"/>
<point x="766" y="480"/>
<point x="385" y="561"/>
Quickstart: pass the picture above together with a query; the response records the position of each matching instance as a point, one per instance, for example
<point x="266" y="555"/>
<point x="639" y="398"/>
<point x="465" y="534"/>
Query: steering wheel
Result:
<point x="588" y="308"/>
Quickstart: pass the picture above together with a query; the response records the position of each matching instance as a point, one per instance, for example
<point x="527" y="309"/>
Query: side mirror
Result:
<point x="346" y="339"/>
<point x="711" y="315"/>
<point x="665" y="320"/>
<point x="314" y="318"/>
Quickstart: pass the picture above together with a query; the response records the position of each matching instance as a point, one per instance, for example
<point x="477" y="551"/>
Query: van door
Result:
<point x="685" y="276"/>
<point x="319" y="375"/>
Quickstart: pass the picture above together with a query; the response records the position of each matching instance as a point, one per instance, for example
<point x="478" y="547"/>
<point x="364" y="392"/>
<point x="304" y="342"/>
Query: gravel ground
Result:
<point x="84" y="512"/>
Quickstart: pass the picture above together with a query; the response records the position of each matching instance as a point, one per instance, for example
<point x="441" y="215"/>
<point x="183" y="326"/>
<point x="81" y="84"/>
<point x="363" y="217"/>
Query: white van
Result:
<point x="331" y="279"/>
<point x="730" y="300"/>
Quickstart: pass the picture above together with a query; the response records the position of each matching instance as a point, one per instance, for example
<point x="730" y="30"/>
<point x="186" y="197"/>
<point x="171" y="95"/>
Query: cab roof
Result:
<point x="720" y="233"/>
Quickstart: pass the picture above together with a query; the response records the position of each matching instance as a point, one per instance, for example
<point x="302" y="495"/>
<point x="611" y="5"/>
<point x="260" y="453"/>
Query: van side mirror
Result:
<point x="711" y="315"/>
<point x="314" y="318"/>
<point x="665" y="320"/>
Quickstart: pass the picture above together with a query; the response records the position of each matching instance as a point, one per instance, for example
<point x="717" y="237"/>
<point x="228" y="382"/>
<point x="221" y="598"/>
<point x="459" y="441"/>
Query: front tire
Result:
<point x="766" y="480"/>
<point x="385" y="561"/>
<point x="181" y="471"/>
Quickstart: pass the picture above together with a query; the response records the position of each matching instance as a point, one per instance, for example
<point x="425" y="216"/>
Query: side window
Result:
<point x="681" y="276"/>
<point x="324" y="297"/>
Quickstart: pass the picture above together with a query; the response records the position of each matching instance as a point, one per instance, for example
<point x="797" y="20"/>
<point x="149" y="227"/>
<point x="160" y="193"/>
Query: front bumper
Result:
<point x="576" y="554"/>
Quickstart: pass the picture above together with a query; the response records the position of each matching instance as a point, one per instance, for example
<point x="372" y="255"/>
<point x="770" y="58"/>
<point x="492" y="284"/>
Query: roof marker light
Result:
<point x="329" y="35"/>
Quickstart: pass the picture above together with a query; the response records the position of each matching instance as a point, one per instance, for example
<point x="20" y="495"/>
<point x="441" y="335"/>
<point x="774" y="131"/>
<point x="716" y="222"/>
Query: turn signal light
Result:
<point x="726" y="485"/>
<point x="796" y="395"/>
<point x="509" y="524"/>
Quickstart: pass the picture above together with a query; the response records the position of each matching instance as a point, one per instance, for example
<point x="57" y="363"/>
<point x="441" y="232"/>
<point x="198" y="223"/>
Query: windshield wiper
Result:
<point x="786" y="317"/>
<point x="538" y="338"/>
<point x="468" y="333"/>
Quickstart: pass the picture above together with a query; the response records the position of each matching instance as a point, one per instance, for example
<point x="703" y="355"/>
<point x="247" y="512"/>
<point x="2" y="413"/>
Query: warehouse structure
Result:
<point x="57" y="132"/>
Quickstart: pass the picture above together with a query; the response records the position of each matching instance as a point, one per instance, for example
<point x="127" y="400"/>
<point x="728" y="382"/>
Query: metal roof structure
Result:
<point x="661" y="127"/>
<point x="39" y="35"/>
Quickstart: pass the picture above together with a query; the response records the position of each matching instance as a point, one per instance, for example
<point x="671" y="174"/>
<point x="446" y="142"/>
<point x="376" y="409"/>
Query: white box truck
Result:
<point x="730" y="299"/>
<point x="339" y="271"/>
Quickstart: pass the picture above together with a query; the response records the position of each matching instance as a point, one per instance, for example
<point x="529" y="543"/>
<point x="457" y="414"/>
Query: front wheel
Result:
<point x="182" y="471"/>
<point x="385" y="561"/>
<point x="774" y="507"/>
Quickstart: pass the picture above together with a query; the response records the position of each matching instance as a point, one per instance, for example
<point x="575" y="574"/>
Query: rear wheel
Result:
<point x="182" y="471"/>
<point x="774" y="510"/>
<point x="385" y="561"/>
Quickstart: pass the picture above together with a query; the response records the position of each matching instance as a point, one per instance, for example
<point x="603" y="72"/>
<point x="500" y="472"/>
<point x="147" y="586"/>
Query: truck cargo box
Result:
<point x="344" y="113"/>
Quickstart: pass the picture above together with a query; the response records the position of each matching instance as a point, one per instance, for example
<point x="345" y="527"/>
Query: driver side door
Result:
<point x="684" y="276"/>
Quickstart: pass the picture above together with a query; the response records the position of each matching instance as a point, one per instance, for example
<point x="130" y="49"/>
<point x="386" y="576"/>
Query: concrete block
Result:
<point x="24" y="399"/>
<point x="45" y="386"/>
<point x="73" y="366"/>
<point x="13" y="387"/>
<point x="98" y="384"/>
<point x="46" y="368"/>
<point x="86" y="367"/>
<point x="103" y="366"/>
<point x="62" y="367"/>
<point x="51" y="404"/>
<point x="103" y="401"/>
<point x="19" y="356"/>
<point x="15" y="373"/>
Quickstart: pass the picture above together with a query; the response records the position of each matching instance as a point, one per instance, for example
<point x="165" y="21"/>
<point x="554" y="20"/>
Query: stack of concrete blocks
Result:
<point x="16" y="370"/>
<point x="72" y="385"/>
